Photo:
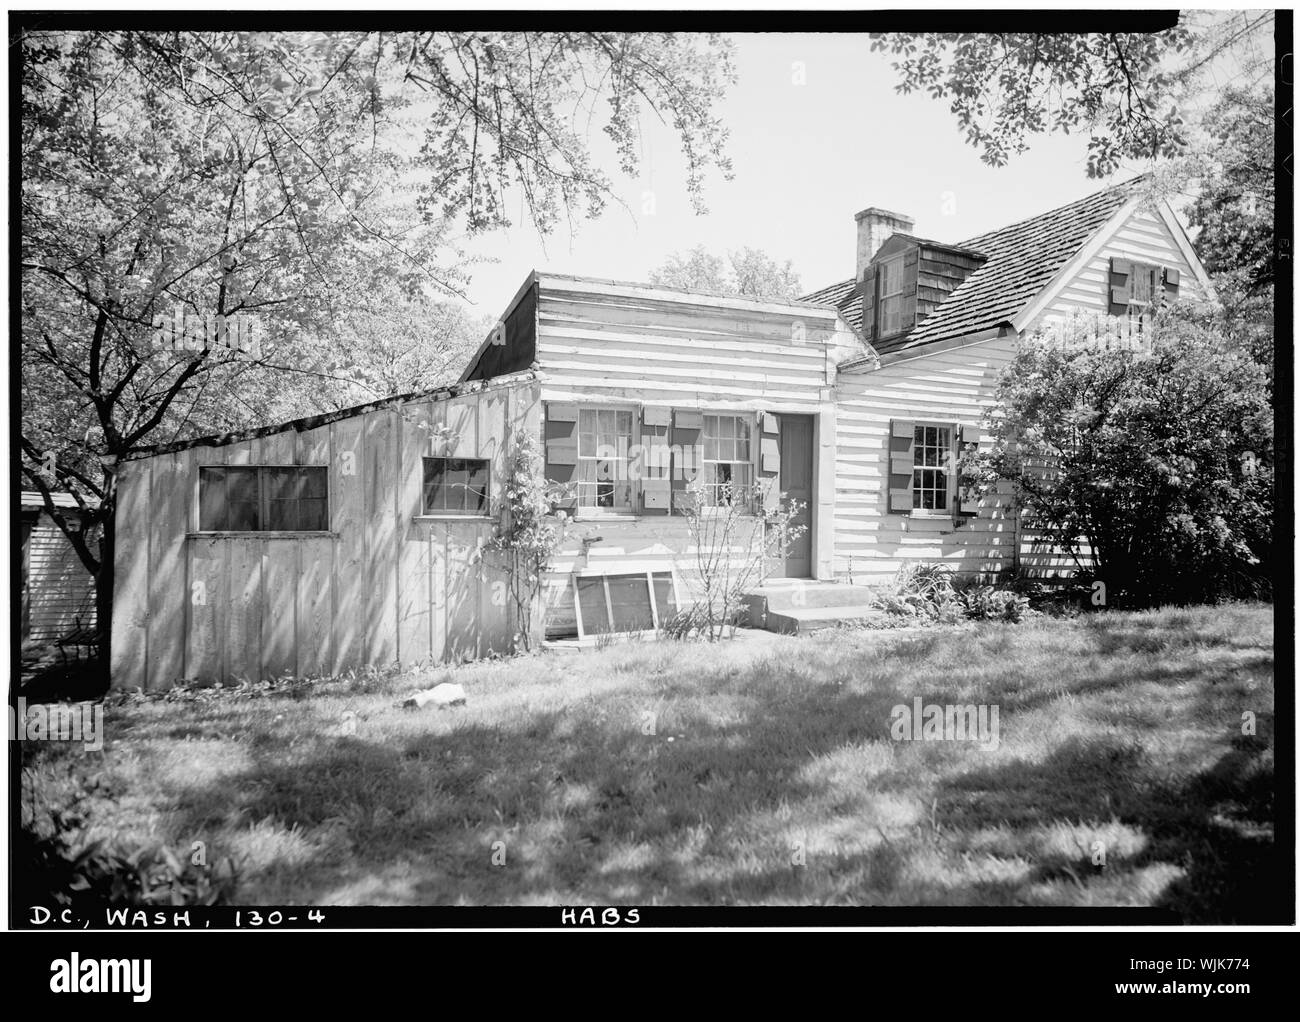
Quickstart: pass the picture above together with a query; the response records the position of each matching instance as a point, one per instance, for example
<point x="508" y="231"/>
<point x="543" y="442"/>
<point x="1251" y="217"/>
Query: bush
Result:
<point x="985" y="603"/>
<point x="1159" y="460"/>
<point x="54" y="864"/>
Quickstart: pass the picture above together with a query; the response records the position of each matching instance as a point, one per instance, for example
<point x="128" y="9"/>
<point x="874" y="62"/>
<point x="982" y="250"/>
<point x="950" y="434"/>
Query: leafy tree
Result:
<point x="271" y="175"/>
<point x="1160" y="461"/>
<point x="1235" y="204"/>
<point x="747" y="271"/>
<point x="1122" y="88"/>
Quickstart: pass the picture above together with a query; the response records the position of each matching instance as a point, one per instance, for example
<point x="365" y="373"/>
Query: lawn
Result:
<point x="757" y="771"/>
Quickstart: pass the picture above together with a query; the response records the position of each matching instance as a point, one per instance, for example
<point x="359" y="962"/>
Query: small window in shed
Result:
<point x="289" y="498"/>
<point x="455" y="486"/>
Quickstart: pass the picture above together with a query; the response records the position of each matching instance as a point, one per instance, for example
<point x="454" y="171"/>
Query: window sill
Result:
<point x="453" y="517"/>
<point x="265" y="534"/>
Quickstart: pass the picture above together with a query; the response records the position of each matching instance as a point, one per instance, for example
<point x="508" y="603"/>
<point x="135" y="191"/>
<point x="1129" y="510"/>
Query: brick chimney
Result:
<point x="874" y="228"/>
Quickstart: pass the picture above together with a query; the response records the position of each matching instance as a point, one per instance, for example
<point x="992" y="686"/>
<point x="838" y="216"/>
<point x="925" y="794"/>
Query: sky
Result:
<point x="809" y="151"/>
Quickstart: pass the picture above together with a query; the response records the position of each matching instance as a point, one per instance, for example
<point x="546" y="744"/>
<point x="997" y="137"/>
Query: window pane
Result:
<point x="665" y="598"/>
<point x="591" y="602"/>
<point x="455" y="484"/>
<point x="629" y="597"/>
<point x="313" y="514"/>
<point x="212" y="499"/>
<point x="476" y="496"/>
<point x="242" y="516"/>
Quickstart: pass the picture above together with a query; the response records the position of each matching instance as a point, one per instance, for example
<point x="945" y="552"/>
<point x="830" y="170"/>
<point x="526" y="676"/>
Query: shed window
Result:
<point x="604" y="442"/>
<point x="727" y="468"/>
<point x="931" y="474"/>
<point x="280" y="498"/>
<point x="456" y="486"/>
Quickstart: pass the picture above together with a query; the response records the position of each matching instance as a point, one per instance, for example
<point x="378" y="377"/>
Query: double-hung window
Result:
<point x="932" y="468"/>
<point x="726" y="469"/>
<point x="604" y="443"/>
<point x="268" y="498"/>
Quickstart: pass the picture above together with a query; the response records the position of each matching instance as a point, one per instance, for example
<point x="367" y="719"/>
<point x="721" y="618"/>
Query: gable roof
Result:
<point x="1022" y="259"/>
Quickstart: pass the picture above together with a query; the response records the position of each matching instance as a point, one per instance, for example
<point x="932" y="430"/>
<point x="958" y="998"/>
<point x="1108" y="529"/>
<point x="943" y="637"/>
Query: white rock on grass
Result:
<point x="442" y="695"/>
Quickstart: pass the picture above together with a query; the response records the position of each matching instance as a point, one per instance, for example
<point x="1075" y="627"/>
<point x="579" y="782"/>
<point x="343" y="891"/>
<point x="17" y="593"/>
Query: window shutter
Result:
<point x="869" y="304"/>
<point x="1121" y="281"/>
<point x="655" y="469"/>
<point x="902" y="455"/>
<point x="562" y="449"/>
<point x="1171" y="282"/>
<point x="970" y="436"/>
<point x="769" y="460"/>
<point x="684" y="436"/>
<point x="911" y="268"/>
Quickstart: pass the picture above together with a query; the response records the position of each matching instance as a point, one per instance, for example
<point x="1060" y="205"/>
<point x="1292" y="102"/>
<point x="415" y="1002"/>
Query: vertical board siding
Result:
<point x="131" y="576"/>
<point x="386" y="586"/>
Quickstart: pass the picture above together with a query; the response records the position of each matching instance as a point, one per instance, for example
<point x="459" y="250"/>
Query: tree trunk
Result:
<point x="104" y="592"/>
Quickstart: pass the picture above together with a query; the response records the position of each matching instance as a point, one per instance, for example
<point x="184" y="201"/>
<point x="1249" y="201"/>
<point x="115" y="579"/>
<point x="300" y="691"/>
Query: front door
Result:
<point x="797" y="485"/>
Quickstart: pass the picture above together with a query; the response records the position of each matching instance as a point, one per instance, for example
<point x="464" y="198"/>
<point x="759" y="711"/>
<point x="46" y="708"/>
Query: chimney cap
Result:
<point x="883" y="214"/>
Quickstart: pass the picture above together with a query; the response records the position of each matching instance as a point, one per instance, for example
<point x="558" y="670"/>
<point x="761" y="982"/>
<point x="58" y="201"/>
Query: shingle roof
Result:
<point x="1022" y="259"/>
<point x="31" y="500"/>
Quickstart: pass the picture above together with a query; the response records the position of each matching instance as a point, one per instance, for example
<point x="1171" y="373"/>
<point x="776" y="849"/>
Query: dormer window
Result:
<point x="891" y="295"/>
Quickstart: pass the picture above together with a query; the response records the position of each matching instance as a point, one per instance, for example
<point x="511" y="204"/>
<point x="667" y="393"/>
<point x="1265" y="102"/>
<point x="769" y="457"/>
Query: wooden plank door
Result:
<point x="797" y="484"/>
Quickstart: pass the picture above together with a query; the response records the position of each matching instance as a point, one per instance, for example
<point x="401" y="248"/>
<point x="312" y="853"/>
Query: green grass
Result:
<point x="1119" y="728"/>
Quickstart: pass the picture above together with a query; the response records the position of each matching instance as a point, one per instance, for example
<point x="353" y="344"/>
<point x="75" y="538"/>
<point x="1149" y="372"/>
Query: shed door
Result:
<point x="797" y="485"/>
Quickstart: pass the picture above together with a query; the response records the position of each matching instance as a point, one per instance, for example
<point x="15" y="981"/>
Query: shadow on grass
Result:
<point x="588" y="809"/>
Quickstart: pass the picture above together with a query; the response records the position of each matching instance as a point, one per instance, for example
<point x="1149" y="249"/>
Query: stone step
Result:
<point x="800" y="620"/>
<point x="792" y="595"/>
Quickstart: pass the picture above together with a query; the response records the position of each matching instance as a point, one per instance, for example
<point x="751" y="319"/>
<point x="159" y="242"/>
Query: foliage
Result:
<point x="1235" y="205"/>
<point x="986" y="603"/>
<point x="1158" y="460"/>
<point x="737" y="544"/>
<point x="528" y="532"/>
<point x="56" y="865"/>
<point x="1122" y="88"/>
<point x="271" y="175"/>
<point x="747" y="271"/>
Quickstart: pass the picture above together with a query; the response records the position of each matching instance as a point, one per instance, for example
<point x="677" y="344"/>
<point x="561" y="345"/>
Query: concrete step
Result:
<point x="789" y="595"/>
<point x="800" y="620"/>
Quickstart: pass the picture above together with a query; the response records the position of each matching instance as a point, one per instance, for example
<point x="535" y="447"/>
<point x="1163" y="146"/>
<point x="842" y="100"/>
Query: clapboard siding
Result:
<point x="386" y="586"/>
<point x="60" y="591"/>
<point x="871" y="544"/>
<point x="638" y="345"/>
<point x="1143" y="236"/>
<point x="626" y="342"/>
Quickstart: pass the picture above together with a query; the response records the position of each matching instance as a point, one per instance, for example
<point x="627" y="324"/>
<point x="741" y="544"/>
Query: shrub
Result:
<point x="1160" y="460"/>
<point x="54" y="863"/>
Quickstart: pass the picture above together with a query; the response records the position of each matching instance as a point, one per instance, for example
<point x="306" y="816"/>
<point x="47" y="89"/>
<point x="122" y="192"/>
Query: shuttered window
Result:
<point x="727" y="471"/>
<point x="604" y="446"/>
<point x="270" y="498"/>
<point x="932" y="464"/>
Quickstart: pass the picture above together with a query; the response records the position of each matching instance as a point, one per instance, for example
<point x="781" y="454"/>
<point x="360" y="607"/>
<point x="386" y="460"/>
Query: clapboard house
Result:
<point x="58" y="592"/>
<point x="359" y="539"/>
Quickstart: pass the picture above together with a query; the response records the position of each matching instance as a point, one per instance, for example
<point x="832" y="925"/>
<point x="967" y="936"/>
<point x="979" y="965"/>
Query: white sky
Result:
<point x="806" y="158"/>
